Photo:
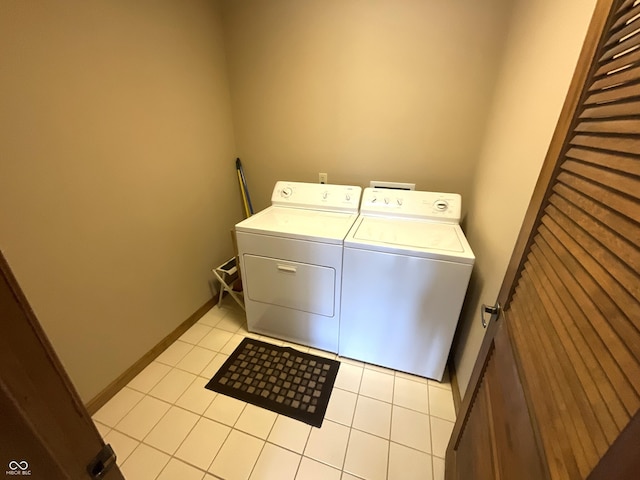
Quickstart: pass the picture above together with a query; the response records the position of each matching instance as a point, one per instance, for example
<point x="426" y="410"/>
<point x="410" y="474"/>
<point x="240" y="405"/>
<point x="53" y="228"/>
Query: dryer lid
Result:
<point x="313" y="225"/>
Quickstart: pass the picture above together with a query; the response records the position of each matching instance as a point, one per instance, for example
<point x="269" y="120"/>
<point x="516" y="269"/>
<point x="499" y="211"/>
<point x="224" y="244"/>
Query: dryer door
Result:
<point x="300" y="286"/>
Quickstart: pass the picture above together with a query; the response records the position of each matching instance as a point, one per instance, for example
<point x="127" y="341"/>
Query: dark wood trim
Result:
<point x="35" y="326"/>
<point x="474" y="383"/>
<point x="622" y="459"/>
<point x="517" y="360"/>
<point x="114" y="387"/>
<point x="577" y="89"/>
<point x="455" y="386"/>
<point x="25" y="443"/>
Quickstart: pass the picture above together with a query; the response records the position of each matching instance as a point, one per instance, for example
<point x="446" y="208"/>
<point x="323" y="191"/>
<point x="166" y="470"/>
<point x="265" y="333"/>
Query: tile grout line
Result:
<point x="395" y="405"/>
<point x="130" y="410"/>
<point x="153" y="448"/>
<point x="393" y="395"/>
<point x="346" y="450"/>
<point x="295" y="475"/>
<point x="430" y="433"/>
<point x="363" y="367"/>
<point x="165" y="467"/>
<point x="232" y="428"/>
<point x="178" y="340"/>
<point x="128" y="436"/>
<point x="156" y="424"/>
<point x="302" y="455"/>
<point x="155" y="384"/>
<point x="433" y="469"/>
<point x="257" y="458"/>
<point x="208" y="470"/>
<point x="306" y="442"/>
<point x="264" y="440"/>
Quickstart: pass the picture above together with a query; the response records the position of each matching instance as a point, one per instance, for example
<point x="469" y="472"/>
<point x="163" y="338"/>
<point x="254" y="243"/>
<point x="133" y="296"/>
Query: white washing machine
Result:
<point x="291" y="262"/>
<point x="406" y="270"/>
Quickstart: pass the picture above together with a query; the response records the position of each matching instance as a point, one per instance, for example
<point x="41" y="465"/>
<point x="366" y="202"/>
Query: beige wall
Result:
<point x="117" y="181"/>
<point x="362" y="90"/>
<point x="117" y="185"/>
<point x="543" y="44"/>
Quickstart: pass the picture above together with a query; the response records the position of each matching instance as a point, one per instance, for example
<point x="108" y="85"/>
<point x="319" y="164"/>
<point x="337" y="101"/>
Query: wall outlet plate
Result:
<point x="322" y="178"/>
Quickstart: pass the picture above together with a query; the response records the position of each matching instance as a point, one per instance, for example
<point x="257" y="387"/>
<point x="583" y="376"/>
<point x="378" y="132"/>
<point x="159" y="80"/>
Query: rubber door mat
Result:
<point x="280" y="379"/>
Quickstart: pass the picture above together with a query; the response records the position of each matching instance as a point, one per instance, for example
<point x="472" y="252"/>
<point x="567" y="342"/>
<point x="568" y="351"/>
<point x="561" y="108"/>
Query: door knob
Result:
<point x="492" y="310"/>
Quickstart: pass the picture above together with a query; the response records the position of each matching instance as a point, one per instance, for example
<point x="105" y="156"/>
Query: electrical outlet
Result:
<point x="322" y="177"/>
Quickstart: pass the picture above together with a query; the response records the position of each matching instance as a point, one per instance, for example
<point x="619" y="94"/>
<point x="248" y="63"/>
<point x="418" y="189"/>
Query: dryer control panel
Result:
<point x="317" y="196"/>
<point x="438" y="206"/>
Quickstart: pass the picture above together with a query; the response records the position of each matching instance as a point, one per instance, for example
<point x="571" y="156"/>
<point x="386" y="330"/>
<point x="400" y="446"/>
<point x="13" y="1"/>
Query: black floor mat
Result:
<point x="280" y="379"/>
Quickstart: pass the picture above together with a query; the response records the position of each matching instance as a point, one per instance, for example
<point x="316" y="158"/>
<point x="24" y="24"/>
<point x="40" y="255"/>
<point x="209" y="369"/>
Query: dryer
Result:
<point x="291" y="262"/>
<point x="406" y="270"/>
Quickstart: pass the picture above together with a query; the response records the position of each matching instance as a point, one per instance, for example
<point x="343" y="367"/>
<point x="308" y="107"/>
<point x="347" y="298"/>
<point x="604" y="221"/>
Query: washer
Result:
<point x="406" y="270"/>
<point x="291" y="262"/>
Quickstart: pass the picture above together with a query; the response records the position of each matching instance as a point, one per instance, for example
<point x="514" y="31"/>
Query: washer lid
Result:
<point x="412" y="237"/>
<point x="303" y="224"/>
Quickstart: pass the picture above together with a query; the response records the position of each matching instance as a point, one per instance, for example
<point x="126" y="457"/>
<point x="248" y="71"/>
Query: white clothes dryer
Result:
<point x="291" y="262"/>
<point x="406" y="270"/>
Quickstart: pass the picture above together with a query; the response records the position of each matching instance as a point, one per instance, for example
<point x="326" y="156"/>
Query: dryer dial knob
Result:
<point x="386" y="200"/>
<point x="399" y="200"/>
<point x="325" y="194"/>
<point x="347" y="197"/>
<point x="286" y="192"/>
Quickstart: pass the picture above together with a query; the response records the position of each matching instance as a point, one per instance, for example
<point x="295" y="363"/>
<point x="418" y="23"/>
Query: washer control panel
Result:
<point x="443" y="207"/>
<point x="339" y="198"/>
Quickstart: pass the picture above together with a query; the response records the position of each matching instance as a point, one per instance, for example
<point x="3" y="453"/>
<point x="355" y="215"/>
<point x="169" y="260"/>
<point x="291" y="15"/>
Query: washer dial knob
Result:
<point x="286" y="192"/>
<point x="441" y="205"/>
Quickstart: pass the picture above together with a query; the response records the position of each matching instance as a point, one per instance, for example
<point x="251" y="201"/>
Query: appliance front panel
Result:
<point x="400" y="311"/>
<point x="288" y="322"/>
<point x="300" y="286"/>
<point x="294" y="326"/>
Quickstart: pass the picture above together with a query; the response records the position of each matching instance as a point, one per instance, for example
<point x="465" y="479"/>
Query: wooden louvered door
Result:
<point x="557" y="383"/>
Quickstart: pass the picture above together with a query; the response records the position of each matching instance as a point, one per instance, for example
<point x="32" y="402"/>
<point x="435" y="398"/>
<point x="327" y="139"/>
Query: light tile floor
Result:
<point x="380" y="424"/>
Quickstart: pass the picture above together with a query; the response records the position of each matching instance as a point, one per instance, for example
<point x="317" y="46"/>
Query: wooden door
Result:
<point x="555" y="392"/>
<point x="498" y="441"/>
<point x="46" y="433"/>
